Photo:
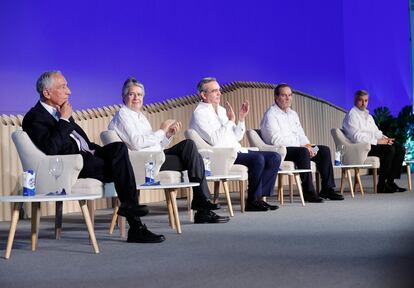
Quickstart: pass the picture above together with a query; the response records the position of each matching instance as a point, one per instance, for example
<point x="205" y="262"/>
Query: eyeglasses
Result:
<point x="132" y="94"/>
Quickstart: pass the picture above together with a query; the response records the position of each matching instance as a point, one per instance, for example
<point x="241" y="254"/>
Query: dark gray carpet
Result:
<point x="353" y="243"/>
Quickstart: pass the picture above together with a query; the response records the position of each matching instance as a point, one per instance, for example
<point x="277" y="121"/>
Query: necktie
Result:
<point x="83" y="144"/>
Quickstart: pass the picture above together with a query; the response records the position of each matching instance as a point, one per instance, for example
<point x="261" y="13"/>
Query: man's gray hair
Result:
<point x="200" y="85"/>
<point x="360" y="93"/>
<point x="45" y="81"/>
<point x="131" y="81"/>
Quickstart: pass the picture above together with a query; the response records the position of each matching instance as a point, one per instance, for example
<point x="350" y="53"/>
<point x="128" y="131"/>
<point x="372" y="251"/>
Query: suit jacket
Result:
<point x="51" y="136"/>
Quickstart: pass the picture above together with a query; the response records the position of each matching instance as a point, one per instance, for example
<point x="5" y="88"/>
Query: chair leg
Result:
<point x="89" y="225"/>
<point x="280" y="188"/>
<point x="35" y="223"/>
<point x="342" y="181"/>
<point x="173" y="200"/>
<point x="91" y="208"/>
<point x="242" y="189"/>
<point x="114" y="216"/>
<point x="299" y="184"/>
<point x="358" y="179"/>
<point x="318" y="181"/>
<point x="12" y="230"/>
<point x="189" y="200"/>
<point x="170" y="209"/>
<point x="290" y="177"/>
<point x="349" y="176"/>
<point x="227" y="192"/>
<point x="375" y="178"/>
<point x="58" y="219"/>
<point x="216" y="191"/>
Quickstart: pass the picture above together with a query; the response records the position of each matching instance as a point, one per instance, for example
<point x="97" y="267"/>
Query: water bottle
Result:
<point x="338" y="158"/>
<point x="339" y="155"/>
<point x="207" y="165"/>
<point x="150" y="170"/>
<point x="29" y="188"/>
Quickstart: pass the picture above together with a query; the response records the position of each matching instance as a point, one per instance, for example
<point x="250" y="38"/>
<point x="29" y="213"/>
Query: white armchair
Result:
<point x="34" y="159"/>
<point x="138" y="159"/>
<point x="356" y="153"/>
<point x="255" y="139"/>
<point x="222" y="163"/>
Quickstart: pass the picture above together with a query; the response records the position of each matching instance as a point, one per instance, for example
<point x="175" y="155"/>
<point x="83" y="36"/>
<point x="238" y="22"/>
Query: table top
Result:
<point x="44" y="198"/>
<point x="223" y="177"/>
<point x="353" y="166"/>
<point x="168" y="186"/>
<point x="296" y="171"/>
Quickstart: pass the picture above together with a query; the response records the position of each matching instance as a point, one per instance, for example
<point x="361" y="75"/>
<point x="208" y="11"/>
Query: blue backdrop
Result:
<point x="323" y="47"/>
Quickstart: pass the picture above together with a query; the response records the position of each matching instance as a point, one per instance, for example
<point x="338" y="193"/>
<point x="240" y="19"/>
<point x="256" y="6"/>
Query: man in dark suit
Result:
<point x="52" y="129"/>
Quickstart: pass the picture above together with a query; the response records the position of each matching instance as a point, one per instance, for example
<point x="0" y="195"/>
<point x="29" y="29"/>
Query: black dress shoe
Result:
<point x="141" y="234"/>
<point x="384" y="188"/>
<point x="205" y="216"/>
<point x="331" y="195"/>
<point x="268" y="206"/>
<point x="255" y="206"/>
<point x="132" y="209"/>
<point x="396" y="188"/>
<point x="313" y="199"/>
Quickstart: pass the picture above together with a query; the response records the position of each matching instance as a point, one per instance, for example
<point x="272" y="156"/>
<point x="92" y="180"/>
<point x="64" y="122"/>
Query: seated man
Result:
<point x="52" y="129"/>
<point x="280" y="126"/>
<point x="216" y="125"/>
<point x="360" y="127"/>
<point x="134" y="129"/>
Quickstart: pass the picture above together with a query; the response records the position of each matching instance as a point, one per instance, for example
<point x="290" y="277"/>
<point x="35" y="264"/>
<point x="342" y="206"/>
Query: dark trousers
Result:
<point x="301" y="157"/>
<point x="185" y="156"/>
<point x="111" y="163"/>
<point x="391" y="158"/>
<point x="263" y="167"/>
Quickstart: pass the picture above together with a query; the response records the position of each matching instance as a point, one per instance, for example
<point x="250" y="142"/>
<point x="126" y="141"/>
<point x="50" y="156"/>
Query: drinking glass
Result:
<point x="56" y="169"/>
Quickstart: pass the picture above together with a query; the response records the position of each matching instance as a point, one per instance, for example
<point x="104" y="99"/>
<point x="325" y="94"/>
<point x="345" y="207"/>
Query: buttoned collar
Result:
<point x="52" y="110"/>
<point x="277" y="108"/>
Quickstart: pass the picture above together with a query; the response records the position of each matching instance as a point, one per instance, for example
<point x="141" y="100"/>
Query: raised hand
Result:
<point x="244" y="110"/>
<point x="230" y="112"/>
<point x="65" y="110"/>
<point x="174" y="128"/>
<point x="166" y="124"/>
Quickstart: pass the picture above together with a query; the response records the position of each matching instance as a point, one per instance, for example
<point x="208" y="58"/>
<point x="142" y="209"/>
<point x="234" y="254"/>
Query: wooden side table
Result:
<point x="346" y="173"/>
<point x="36" y="200"/>
<point x="292" y="174"/>
<point x="170" y="191"/>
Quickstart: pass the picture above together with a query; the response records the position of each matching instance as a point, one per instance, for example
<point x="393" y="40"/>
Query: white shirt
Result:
<point x="360" y="127"/>
<point x="216" y="128"/>
<point x="282" y="128"/>
<point x="135" y="131"/>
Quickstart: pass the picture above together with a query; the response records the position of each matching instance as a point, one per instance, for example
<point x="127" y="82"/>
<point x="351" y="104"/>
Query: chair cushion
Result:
<point x="287" y="165"/>
<point x="240" y="170"/>
<point x="88" y="186"/>
<point x="169" y="177"/>
<point x="373" y="160"/>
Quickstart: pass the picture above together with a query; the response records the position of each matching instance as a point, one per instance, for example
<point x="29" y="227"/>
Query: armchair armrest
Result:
<point x="45" y="183"/>
<point x="222" y="159"/>
<point x="355" y="153"/>
<point x="138" y="159"/>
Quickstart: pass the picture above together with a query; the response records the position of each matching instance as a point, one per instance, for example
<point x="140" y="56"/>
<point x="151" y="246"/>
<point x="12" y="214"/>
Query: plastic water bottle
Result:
<point x="338" y="158"/>
<point x="207" y="165"/>
<point x="150" y="170"/>
<point x="29" y="188"/>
